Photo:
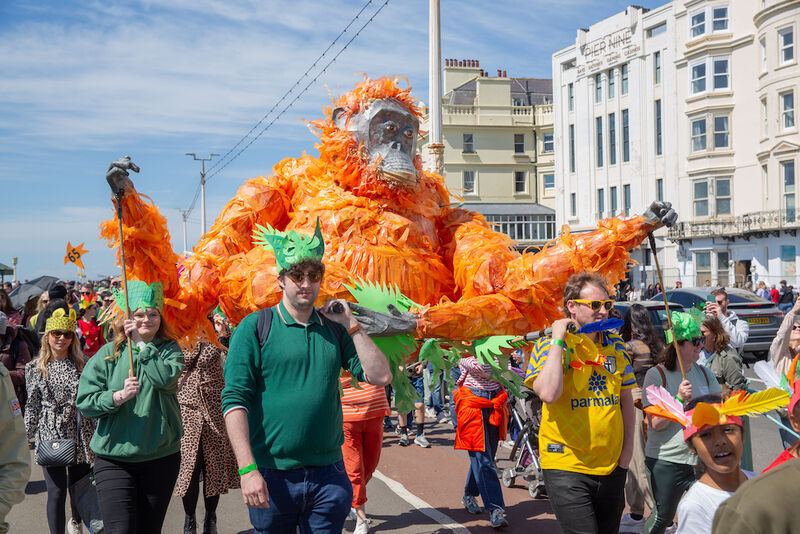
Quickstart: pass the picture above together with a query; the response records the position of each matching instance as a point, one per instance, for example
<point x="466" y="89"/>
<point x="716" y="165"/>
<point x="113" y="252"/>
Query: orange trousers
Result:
<point x="362" y="451"/>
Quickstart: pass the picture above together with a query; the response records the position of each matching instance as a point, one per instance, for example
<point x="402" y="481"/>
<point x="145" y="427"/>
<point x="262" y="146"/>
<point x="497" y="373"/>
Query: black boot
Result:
<point x="190" y="525"/>
<point x="210" y="524"/>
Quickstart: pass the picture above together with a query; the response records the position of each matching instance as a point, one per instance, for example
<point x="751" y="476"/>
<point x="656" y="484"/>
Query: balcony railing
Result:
<point x="741" y="226"/>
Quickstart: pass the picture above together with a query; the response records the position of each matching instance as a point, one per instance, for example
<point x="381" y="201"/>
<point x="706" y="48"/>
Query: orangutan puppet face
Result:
<point x="388" y="133"/>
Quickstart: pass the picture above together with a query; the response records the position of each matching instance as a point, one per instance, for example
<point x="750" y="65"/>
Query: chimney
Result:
<point x="505" y="75"/>
<point x="499" y="73"/>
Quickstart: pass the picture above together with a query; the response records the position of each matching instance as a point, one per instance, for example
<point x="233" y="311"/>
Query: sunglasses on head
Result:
<point x="297" y="278"/>
<point x="596" y="304"/>
<point x="61" y="333"/>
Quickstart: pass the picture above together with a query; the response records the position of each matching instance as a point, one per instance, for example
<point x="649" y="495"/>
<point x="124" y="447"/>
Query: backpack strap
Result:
<point x="705" y="375"/>
<point x="264" y="325"/>
<point x="663" y="376"/>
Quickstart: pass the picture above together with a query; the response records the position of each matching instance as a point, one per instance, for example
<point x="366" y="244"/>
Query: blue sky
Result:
<point x="86" y="82"/>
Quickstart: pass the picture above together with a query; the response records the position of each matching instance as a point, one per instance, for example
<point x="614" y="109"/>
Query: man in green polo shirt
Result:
<point x="281" y="400"/>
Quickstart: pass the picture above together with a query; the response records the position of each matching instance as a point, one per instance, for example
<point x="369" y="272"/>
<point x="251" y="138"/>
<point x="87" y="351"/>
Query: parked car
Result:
<point x="657" y="311"/>
<point x="763" y="316"/>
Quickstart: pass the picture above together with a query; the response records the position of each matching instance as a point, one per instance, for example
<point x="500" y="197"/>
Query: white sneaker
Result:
<point x="629" y="524"/>
<point x="430" y="412"/>
<point x="672" y="529"/>
<point x="362" y="526"/>
<point x="73" y="527"/>
<point x="422" y="441"/>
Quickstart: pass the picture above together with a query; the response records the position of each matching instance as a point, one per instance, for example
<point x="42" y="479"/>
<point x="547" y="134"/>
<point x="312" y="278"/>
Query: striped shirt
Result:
<point x="470" y="369"/>
<point x="365" y="403"/>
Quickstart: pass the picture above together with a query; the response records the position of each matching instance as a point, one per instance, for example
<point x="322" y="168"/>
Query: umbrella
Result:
<point x="20" y="295"/>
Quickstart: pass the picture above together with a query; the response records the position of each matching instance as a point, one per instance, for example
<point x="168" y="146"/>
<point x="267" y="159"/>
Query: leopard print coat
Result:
<point x="199" y="390"/>
<point x="51" y="412"/>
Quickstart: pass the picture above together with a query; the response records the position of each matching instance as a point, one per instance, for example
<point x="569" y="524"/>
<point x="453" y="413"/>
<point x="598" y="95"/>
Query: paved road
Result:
<point x="416" y="491"/>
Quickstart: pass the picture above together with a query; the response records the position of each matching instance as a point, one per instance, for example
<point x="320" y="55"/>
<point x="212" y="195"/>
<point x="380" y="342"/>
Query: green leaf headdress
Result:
<point x="141" y="295"/>
<point x="290" y="247"/>
<point x="685" y="325"/>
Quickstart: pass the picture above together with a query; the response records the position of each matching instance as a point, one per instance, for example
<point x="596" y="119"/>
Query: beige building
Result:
<point x="498" y="148"/>
<point x="738" y="143"/>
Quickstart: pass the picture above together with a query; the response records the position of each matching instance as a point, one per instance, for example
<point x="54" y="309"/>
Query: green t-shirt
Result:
<point x="146" y="427"/>
<point x="290" y="388"/>
<point x="667" y="444"/>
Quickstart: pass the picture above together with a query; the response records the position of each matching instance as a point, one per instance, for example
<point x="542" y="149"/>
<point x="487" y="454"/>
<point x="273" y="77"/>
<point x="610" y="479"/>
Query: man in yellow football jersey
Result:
<point x="586" y="435"/>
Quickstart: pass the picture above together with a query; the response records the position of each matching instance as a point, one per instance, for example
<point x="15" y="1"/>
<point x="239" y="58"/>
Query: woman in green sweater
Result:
<point x="137" y="442"/>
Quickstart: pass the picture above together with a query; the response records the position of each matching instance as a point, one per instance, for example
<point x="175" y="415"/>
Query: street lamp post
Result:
<point x="202" y="186"/>
<point x="435" y="88"/>
<point x="14" y="261"/>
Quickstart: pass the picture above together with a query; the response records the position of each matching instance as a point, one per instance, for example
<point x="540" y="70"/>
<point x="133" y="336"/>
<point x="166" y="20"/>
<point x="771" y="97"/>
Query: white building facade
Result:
<point x="615" y="137"/>
<point x="708" y="123"/>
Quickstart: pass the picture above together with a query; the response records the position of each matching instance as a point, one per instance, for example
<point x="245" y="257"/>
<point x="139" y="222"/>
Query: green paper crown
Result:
<point x="685" y="326"/>
<point x="290" y="247"/>
<point x="141" y="295"/>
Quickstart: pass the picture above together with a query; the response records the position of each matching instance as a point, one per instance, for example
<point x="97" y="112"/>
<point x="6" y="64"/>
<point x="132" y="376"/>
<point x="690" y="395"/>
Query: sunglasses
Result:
<point x="696" y="341"/>
<point x="297" y="278"/>
<point x="86" y="292"/>
<point x="796" y="327"/>
<point x="61" y="333"/>
<point x="596" y="304"/>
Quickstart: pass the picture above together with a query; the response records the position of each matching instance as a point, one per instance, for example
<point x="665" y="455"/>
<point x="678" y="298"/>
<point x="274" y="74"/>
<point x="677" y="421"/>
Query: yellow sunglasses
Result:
<point x="596" y="304"/>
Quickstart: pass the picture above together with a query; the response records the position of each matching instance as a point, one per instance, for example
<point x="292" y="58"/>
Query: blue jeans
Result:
<point x="482" y="477"/>
<point x="316" y="499"/>
<point x="455" y="374"/>
<point x="785" y="306"/>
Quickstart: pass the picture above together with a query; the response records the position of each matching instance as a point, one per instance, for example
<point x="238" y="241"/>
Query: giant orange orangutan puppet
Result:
<point x="384" y="220"/>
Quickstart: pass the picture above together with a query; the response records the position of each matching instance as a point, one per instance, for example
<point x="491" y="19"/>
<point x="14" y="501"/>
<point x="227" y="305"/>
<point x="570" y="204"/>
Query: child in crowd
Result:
<point x="714" y="431"/>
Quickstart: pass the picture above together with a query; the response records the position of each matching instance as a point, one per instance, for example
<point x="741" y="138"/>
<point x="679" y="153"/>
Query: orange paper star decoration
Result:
<point x="74" y="254"/>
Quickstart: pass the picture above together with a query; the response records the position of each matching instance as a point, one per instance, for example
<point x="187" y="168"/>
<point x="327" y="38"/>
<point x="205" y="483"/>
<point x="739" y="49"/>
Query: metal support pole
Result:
<point x="202" y="187"/>
<point x="435" y="89"/>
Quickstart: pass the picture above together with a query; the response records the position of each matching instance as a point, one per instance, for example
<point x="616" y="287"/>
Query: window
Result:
<point x="571" y="96"/>
<point x="701" y="199"/>
<point x="599" y="127"/>
<point x="786" y="45"/>
<point x="723" y="258"/>
<point x="548" y="142"/>
<point x="657" y="68"/>
<point x="573" y="204"/>
<point x="598" y="87"/>
<point x="623" y="73"/>
<point x="764" y="118"/>
<point x="601" y="202"/>
<point x="765" y="181"/>
<point x="698" y="134"/>
<point x="697" y="24"/>
<point x="763" y="42"/>
<point x="721" y="132"/>
<point x="571" y="148"/>
<point x="787" y="110"/>
<point x="626" y="199"/>
<point x="549" y="182"/>
<point x="660" y="189"/>
<point x="611" y="83"/>
<point x="702" y="267"/>
<point x="788" y="261"/>
<point x="723" y="196"/>
<point x="468" y="146"/>
<point x="787" y="169"/>
<point x="658" y="128"/>
<point x="661" y="28"/>
<point x="520" y="182"/>
<point x="612" y="139"/>
<point x="468" y="182"/>
<point x="721" y="73"/>
<point x="614" y="205"/>
<point x="525" y="227"/>
<point x="626" y="149"/>
<point x="720" y="21"/>
<point x="698" y="78"/>
<point x="517" y="101"/>
<point x="519" y="143"/>
<point x="720" y="66"/>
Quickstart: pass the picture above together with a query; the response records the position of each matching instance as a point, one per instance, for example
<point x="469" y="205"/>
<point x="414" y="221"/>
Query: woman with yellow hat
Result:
<point x="52" y="384"/>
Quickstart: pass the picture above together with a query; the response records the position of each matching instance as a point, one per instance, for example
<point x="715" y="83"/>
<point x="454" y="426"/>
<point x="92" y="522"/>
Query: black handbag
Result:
<point x="56" y="452"/>
<point x="84" y="492"/>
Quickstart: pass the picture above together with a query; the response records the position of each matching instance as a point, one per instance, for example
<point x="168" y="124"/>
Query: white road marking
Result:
<point x="422" y="506"/>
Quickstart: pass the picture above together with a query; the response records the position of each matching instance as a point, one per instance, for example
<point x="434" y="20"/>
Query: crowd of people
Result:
<point x="147" y="419"/>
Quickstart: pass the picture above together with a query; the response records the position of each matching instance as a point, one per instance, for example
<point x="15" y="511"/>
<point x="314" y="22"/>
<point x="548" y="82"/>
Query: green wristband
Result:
<point x="247" y="469"/>
<point x="677" y="398"/>
<point x="559" y="342"/>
